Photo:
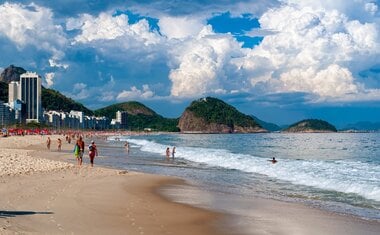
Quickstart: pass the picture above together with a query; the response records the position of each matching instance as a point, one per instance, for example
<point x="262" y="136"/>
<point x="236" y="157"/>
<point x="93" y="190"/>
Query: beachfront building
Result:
<point x="29" y="92"/>
<point x="121" y="119"/>
<point x="6" y="115"/>
<point x="75" y="120"/>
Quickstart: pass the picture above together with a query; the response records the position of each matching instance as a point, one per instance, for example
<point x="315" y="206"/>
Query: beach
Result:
<point x="44" y="192"/>
<point x="43" y="196"/>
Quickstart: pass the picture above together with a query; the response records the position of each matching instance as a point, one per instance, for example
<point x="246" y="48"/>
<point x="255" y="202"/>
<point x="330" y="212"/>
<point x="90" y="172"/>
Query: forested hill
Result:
<point x="311" y="125"/>
<point x="53" y="100"/>
<point x="211" y="115"/>
<point x="140" y="117"/>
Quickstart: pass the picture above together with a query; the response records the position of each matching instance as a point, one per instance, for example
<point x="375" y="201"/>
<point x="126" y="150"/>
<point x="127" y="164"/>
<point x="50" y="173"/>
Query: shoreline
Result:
<point x="98" y="200"/>
<point x="234" y="215"/>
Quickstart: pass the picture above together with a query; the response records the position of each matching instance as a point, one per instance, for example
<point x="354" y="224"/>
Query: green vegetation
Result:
<point x="308" y="125"/>
<point x="53" y="100"/>
<point x="140" y="117"/>
<point x="213" y="110"/>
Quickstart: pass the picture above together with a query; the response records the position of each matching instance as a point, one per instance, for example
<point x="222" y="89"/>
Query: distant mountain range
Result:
<point x="206" y="115"/>
<point x="363" y="126"/>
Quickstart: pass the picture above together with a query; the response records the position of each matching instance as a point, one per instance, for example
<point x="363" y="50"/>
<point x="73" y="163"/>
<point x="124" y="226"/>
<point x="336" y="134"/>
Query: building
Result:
<point x="6" y="115"/>
<point x="121" y="119"/>
<point x="30" y="94"/>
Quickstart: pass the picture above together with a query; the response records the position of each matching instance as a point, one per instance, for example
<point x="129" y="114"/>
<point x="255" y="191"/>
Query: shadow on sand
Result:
<point x="5" y="214"/>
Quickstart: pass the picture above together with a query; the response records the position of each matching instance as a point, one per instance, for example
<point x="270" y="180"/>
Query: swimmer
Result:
<point x="273" y="160"/>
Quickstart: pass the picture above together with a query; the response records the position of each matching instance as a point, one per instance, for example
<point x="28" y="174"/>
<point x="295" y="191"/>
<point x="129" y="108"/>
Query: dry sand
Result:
<point x="43" y="193"/>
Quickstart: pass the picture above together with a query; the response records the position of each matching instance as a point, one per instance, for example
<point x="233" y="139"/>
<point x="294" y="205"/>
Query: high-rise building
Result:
<point x="122" y="118"/>
<point x="30" y="94"/>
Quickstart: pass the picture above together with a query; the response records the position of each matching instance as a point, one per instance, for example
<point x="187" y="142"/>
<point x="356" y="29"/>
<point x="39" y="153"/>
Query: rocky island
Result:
<point x="211" y="115"/>
<point x="311" y="126"/>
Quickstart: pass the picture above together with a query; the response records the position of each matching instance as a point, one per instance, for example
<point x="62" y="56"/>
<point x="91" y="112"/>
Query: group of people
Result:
<point x="168" y="153"/>
<point x="78" y="149"/>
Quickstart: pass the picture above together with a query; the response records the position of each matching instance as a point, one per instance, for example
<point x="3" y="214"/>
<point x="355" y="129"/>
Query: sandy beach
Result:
<point x="43" y="196"/>
<point x="44" y="192"/>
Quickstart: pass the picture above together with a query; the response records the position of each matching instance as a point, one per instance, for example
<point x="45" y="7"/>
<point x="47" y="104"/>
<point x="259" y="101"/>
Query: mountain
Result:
<point x="267" y="125"/>
<point x="363" y="126"/>
<point x="53" y="100"/>
<point x="139" y="117"/>
<point x="310" y="126"/>
<point x="11" y="73"/>
<point x="211" y="115"/>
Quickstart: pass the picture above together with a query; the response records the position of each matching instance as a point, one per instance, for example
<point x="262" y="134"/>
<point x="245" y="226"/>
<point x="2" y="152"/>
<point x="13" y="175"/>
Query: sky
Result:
<point x="280" y="60"/>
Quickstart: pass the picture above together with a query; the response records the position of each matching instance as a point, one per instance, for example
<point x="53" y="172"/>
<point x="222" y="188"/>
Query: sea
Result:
<point x="338" y="172"/>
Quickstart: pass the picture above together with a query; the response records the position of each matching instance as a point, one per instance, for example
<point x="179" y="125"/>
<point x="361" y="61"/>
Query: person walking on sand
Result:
<point x="79" y="155"/>
<point x="92" y="152"/>
<point x="173" y="152"/>
<point x="59" y="144"/>
<point x="48" y="142"/>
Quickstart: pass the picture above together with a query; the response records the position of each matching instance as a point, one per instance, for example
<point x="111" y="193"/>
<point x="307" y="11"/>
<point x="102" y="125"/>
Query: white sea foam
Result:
<point x="337" y="175"/>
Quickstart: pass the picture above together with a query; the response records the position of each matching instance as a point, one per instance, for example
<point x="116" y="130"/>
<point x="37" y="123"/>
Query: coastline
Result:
<point x="60" y="198"/>
<point x="120" y="202"/>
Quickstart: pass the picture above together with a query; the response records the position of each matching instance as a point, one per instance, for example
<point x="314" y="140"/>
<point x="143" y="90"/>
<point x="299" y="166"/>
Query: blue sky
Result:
<point x="282" y="60"/>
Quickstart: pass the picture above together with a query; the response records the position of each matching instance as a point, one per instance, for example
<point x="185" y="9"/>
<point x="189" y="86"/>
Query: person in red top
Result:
<point x="92" y="152"/>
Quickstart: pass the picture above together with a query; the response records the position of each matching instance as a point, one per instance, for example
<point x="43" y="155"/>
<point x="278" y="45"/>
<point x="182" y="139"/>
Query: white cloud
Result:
<point x="79" y="86"/>
<point x="108" y="27"/>
<point x="135" y="93"/>
<point x="202" y="63"/>
<point x="49" y="79"/>
<point x="313" y="51"/>
<point x="371" y="8"/>
<point x="32" y="25"/>
<point x="180" y="27"/>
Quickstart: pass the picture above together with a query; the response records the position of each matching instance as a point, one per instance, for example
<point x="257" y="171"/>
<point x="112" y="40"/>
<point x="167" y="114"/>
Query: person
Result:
<point x="273" y="160"/>
<point x="173" y="152"/>
<point x="79" y="156"/>
<point x="59" y="144"/>
<point x="126" y="145"/>
<point x="92" y="152"/>
<point x="48" y="142"/>
<point x="167" y="152"/>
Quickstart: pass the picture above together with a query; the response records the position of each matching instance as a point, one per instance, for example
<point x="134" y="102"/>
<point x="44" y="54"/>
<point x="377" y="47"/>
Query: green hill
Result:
<point x="311" y="125"/>
<point x="53" y="100"/>
<point x="211" y="115"/>
<point x="139" y="117"/>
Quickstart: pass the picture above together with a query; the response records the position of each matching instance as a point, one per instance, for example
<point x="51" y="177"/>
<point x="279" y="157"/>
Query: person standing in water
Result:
<point x="173" y="152"/>
<point x="167" y="153"/>
<point x="273" y="160"/>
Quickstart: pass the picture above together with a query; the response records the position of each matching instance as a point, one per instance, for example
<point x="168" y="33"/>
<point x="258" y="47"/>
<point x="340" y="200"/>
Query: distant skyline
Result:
<point x="281" y="61"/>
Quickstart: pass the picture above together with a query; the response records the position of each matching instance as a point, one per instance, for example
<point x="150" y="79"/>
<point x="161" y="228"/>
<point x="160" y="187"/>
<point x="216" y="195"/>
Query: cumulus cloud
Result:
<point x="180" y="27"/>
<point x="32" y="25"/>
<point x="105" y="26"/>
<point x="319" y="52"/>
<point x="49" y="79"/>
<point x="202" y="64"/>
<point x="135" y="93"/>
